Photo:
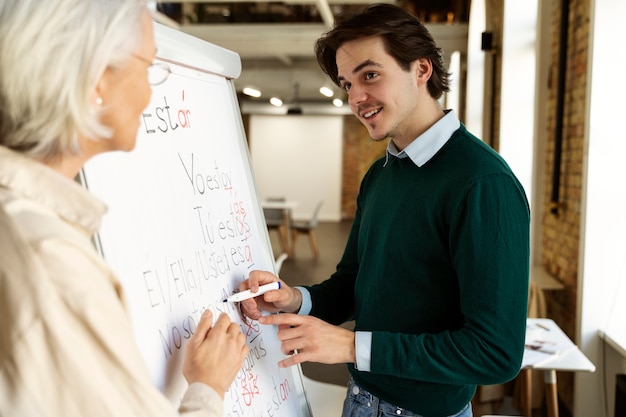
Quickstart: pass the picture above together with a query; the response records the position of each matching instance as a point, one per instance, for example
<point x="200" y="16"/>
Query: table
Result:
<point x="570" y="360"/>
<point x="283" y="231"/>
<point x="280" y="204"/>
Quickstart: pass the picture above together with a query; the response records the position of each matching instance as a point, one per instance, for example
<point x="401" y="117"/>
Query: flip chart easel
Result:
<point x="185" y="226"/>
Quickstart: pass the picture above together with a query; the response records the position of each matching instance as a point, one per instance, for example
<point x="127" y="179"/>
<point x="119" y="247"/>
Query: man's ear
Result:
<point x="423" y="70"/>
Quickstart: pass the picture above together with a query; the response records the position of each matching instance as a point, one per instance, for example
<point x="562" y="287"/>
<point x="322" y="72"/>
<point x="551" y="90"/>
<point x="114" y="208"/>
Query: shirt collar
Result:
<point x="38" y="182"/>
<point x="426" y="145"/>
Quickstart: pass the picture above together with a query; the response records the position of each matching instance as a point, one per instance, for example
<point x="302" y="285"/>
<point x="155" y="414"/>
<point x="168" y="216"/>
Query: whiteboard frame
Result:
<point x="187" y="51"/>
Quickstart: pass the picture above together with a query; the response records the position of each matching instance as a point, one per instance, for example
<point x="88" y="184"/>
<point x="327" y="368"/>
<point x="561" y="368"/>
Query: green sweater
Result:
<point x="437" y="268"/>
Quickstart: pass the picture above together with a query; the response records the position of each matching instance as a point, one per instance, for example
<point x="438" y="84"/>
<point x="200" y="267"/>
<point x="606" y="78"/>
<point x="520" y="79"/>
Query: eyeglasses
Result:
<point x="157" y="71"/>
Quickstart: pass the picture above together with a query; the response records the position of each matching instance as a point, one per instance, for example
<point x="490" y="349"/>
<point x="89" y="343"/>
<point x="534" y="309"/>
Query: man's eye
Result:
<point x="346" y="86"/>
<point x="370" y="75"/>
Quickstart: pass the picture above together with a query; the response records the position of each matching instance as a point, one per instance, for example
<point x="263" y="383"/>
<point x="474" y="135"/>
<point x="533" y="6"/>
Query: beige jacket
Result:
<point x="66" y="343"/>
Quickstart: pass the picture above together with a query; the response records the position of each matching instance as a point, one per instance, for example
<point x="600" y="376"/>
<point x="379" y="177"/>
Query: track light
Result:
<point x="252" y="92"/>
<point x="327" y="92"/>
<point x="275" y="101"/>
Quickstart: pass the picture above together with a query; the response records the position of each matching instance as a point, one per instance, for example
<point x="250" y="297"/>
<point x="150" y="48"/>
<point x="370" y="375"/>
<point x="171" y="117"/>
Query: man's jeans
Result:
<point x="360" y="403"/>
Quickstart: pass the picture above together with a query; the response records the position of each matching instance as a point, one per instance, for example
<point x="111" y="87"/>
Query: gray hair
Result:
<point x="52" y="54"/>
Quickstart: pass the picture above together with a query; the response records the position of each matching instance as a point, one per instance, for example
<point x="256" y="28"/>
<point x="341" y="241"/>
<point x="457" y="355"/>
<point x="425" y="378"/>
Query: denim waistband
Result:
<point x="365" y="398"/>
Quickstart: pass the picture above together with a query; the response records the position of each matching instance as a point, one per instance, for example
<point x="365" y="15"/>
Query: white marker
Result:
<point x="244" y="295"/>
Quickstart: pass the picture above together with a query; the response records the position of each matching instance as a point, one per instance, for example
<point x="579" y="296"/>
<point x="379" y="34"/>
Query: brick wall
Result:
<point x="561" y="232"/>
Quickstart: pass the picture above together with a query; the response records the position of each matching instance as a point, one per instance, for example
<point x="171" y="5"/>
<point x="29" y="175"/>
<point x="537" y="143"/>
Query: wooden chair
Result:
<point x="306" y="227"/>
<point x="276" y="219"/>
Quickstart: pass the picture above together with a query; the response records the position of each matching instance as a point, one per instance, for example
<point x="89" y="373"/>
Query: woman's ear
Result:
<point x="99" y="94"/>
<point x="95" y="100"/>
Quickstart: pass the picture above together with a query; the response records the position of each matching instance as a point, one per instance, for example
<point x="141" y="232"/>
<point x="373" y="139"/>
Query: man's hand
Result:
<point x="285" y="299"/>
<point x="309" y="339"/>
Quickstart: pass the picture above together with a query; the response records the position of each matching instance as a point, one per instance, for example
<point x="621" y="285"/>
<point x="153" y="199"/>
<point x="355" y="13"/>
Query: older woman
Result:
<point x="74" y="79"/>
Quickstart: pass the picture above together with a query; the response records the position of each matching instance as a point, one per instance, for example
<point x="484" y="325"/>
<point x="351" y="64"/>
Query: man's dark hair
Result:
<point x="405" y="38"/>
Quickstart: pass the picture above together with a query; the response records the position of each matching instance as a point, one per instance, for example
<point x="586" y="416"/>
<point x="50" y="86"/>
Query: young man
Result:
<point x="435" y="271"/>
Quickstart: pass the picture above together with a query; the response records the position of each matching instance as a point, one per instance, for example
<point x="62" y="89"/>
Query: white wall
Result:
<point x="453" y="97"/>
<point x="602" y="286"/>
<point x="299" y="158"/>
<point x="474" y="101"/>
<point x="518" y="88"/>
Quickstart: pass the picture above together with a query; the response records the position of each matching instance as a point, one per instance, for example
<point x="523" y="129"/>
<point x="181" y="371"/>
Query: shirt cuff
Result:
<point x="307" y="304"/>
<point x="201" y="398"/>
<point x="363" y="346"/>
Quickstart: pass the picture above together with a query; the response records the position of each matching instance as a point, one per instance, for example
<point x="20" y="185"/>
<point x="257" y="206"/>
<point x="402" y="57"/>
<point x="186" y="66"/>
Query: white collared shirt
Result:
<point x="425" y="146"/>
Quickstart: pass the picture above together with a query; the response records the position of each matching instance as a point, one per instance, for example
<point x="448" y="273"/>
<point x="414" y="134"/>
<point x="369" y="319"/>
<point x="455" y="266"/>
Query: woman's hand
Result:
<point x="214" y="355"/>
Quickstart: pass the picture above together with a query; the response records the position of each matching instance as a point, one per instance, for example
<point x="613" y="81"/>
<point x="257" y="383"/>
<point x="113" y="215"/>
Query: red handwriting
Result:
<point x="250" y="387"/>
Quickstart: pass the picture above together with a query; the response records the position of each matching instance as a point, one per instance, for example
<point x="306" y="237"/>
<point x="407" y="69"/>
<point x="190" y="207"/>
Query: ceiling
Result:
<point x="275" y="42"/>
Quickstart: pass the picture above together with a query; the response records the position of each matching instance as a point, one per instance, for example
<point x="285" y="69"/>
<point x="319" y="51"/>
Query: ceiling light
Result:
<point x="325" y="91"/>
<point x="275" y="101"/>
<point x="338" y="102"/>
<point x="252" y="92"/>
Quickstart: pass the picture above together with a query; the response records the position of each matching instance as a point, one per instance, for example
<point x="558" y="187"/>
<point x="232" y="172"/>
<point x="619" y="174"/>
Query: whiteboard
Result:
<point x="185" y="227"/>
